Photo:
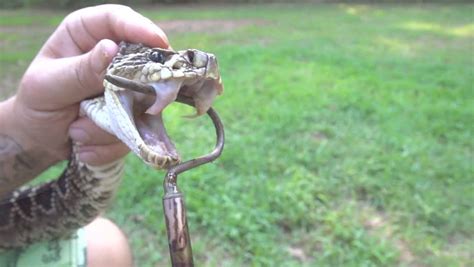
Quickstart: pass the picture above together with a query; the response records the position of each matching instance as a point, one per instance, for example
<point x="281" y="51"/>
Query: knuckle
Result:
<point x="28" y="80"/>
<point x="87" y="78"/>
<point x="81" y="76"/>
<point x="117" y="8"/>
<point x="74" y="15"/>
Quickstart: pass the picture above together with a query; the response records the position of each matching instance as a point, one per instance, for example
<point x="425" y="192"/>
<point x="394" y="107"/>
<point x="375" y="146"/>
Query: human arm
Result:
<point x="20" y="157"/>
<point x="39" y="122"/>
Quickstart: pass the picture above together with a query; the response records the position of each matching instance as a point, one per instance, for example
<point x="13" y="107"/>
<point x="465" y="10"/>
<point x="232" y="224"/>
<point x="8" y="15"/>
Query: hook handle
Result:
<point x="179" y="242"/>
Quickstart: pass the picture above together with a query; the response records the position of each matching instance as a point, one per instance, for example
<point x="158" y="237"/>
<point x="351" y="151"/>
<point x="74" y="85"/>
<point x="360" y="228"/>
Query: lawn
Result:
<point x="349" y="135"/>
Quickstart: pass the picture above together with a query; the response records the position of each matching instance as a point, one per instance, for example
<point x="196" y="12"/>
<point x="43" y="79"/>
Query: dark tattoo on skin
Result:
<point x="16" y="164"/>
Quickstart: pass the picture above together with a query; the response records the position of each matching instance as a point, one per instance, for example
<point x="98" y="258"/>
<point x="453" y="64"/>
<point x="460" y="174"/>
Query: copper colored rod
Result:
<point x="130" y="84"/>
<point x="179" y="242"/>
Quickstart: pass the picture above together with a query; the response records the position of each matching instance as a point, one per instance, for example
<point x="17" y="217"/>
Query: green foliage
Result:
<point x="349" y="139"/>
<point x="68" y="4"/>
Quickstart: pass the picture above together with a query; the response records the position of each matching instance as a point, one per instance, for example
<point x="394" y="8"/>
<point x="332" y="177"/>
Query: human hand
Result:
<point x="69" y="68"/>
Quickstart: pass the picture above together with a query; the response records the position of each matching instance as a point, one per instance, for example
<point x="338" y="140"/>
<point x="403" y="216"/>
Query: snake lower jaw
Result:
<point x="157" y="161"/>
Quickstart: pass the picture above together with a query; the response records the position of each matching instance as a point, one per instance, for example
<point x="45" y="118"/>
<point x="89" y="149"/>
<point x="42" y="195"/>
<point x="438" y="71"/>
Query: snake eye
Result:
<point x="156" y="56"/>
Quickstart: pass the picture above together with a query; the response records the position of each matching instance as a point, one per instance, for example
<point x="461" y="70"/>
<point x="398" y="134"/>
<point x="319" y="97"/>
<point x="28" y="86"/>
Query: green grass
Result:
<point x="349" y="138"/>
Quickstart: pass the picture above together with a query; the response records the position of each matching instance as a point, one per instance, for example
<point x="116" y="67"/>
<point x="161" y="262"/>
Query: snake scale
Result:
<point x="57" y="208"/>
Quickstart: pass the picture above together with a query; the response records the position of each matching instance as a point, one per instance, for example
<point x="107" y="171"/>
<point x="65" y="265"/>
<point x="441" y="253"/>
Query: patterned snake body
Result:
<point x="57" y="208"/>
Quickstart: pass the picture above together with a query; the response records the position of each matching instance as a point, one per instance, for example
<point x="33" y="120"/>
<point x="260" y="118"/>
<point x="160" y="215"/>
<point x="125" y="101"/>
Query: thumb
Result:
<point x="87" y="71"/>
<point x="69" y="80"/>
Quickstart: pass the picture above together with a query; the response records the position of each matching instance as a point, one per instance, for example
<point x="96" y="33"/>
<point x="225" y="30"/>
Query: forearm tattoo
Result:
<point x="17" y="166"/>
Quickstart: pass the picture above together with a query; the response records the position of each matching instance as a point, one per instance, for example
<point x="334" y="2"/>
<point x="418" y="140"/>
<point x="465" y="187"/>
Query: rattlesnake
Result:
<point x="55" y="209"/>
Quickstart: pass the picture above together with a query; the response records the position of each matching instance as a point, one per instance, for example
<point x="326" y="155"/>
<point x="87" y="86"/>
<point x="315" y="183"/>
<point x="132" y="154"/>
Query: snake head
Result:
<point x="141" y="82"/>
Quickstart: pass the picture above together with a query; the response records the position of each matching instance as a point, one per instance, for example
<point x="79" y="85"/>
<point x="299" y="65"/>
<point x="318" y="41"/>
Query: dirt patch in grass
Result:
<point x="319" y="136"/>
<point x="377" y="224"/>
<point x="205" y="25"/>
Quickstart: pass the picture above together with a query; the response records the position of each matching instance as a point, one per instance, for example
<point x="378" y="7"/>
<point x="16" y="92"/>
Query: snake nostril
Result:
<point x="191" y="55"/>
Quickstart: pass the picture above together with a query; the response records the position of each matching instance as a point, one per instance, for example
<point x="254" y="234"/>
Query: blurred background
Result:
<point x="349" y="131"/>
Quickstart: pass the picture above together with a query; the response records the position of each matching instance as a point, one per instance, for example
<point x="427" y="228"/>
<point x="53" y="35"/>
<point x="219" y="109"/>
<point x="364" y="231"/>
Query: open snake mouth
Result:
<point x="145" y="112"/>
<point x="144" y="104"/>
<point x="149" y="123"/>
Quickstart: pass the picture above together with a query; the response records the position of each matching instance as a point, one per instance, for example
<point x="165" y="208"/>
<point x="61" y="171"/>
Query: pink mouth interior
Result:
<point x="166" y="93"/>
<point x="146" y="113"/>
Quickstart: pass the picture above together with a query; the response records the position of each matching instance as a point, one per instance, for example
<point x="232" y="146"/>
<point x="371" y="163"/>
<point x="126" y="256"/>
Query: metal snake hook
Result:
<point x="173" y="200"/>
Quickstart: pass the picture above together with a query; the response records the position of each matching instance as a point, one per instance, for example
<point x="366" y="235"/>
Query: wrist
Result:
<point x="12" y="124"/>
<point x="20" y="158"/>
<point x="7" y="123"/>
<point x="35" y="129"/>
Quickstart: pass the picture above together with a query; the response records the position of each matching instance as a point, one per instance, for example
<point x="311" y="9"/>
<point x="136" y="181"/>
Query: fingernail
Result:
<point x="107" y="50"/>
<point x="79" y="135"/>
<point x="162" y="36"/>
<point x="87" y="157"/>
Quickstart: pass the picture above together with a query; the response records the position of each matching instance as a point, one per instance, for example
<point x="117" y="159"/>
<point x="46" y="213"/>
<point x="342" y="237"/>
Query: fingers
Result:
<point x="81" y="30"/>
<point x="101" y="154"/>
<point x="95" y="146"/>
<point x="84" y="131"/>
